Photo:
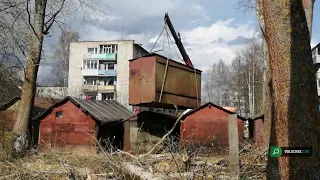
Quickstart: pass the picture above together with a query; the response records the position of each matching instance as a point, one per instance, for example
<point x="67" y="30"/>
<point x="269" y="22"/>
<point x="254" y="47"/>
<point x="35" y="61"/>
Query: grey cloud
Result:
<point x="147" y="16"/>
<point x="238" y="40"/>
<point x="220" y="40"/>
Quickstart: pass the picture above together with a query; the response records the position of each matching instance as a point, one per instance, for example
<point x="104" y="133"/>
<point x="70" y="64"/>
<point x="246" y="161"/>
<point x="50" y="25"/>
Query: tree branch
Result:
<point x="12" y="6"/>
<point x="50" y="22"/>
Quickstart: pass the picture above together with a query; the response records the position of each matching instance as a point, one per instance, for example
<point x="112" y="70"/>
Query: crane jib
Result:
<point x="178" y="41"/>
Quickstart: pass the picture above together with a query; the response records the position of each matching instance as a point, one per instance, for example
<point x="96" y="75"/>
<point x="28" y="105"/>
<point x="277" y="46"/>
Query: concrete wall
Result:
<point x="208" y="126"/>
<point x="126" y="51"/>
<point x="52" y="92"/>
<point x="73" y="131"/>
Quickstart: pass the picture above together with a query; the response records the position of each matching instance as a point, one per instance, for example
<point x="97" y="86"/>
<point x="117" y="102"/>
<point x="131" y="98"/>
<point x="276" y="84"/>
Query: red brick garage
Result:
<point x="208" y="125"/>
<point x="75" y="125"/>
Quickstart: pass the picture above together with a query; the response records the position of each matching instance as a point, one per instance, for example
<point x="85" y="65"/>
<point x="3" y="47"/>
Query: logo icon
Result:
<point x="275" y="151"/>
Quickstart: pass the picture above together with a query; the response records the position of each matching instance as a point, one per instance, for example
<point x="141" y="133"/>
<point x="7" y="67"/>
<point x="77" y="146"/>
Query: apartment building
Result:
<point x="100" y="69"/>
<point x="316" y="62"/>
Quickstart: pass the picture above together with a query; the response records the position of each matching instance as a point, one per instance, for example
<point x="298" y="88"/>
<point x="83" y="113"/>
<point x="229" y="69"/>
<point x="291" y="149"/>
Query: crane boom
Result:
<point x="178" y="41"/>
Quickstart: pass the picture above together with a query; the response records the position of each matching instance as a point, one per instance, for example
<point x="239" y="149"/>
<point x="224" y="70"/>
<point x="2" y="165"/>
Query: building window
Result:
<point x="90" y="64"/>
<point x="107" y="96"/>
<point x="108" y="49"/>
<point x="59" y="114"/>
<point x="92" y="50"/>
<point x="110" y="66"/>
<point x="318" y="51"/>
<point x="111" y="82"/>
<point x="90" y="81"/>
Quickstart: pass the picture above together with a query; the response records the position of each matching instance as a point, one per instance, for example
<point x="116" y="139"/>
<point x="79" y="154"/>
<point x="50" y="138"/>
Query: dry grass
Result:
<point x="166" y="162"/>
<point x="6" y="146"/>
<point x="168" y="165"/>
<point x="61" y="166"/>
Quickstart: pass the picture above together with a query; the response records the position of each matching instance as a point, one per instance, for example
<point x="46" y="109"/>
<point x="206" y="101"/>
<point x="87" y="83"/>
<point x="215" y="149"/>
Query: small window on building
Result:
<point x="110" y="66"/>
<point x="95" y="65"/>
<point x="88" y="65"/>
<point x="92" y="50"/>
<point x="111" y="82"/>
<point x="318" y="51"/>
<point x="59" y="114"/>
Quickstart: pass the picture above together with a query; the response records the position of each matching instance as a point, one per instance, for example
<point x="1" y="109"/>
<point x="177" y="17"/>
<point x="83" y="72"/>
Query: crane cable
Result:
<point x="166" y="69"/>
<point x="157" y="40"/>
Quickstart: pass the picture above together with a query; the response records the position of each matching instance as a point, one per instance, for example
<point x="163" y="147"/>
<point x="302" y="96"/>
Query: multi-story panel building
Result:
<point x="100" y="69"/>
<point x="316" y="62"/>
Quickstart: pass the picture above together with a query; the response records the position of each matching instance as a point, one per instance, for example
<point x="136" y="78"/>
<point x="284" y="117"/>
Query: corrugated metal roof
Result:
<point x="214" y="105"/>
<point x="103" y="111"/>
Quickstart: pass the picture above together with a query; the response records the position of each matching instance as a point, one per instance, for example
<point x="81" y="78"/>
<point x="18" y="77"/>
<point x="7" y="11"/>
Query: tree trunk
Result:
<point x="29" y="87"/>
<point x="295" y="106"/>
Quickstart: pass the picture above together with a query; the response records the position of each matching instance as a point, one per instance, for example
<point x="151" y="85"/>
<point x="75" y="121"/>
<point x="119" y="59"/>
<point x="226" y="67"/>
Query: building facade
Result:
<point x="316" y="62"/>
<point x="100" y="69"/>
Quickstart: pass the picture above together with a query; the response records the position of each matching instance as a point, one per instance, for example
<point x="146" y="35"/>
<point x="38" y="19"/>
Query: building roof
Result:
<point x="214" y="105"/>
<point x="9" y="103"/>
<point x="318" y="45"/>
<point x="40" y="103"/>
<point x="141" y="48"/>
<point x="261" y="116"/>
<point x="103" y="111"/>
<point x="107" y="41"/>
<point x="9" y="90"/>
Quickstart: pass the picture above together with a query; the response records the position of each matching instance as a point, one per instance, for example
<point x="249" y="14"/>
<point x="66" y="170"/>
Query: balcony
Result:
<point x="110" y="57"/>
<point x="96" y="72"/>
<point x="99" y="88"/>
<point x="109" y="72"/>
<point x="316" y="59"/>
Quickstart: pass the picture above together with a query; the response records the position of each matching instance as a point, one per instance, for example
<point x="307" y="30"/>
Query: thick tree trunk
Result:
<point x="29" y="86"/>
<point x="295" y="105"/>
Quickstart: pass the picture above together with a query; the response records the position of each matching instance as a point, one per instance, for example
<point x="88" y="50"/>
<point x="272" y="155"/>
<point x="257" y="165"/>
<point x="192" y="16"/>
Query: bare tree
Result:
<point x="295" y="106"/>
<point x="247" y="70"/>
<point x="38" y="17"/>
<point x="61" y="57"/>
<point x="216" y="87"/>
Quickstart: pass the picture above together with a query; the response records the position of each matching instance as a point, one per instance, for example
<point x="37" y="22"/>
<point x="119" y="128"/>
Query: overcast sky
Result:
<point x="210" y="29"/>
